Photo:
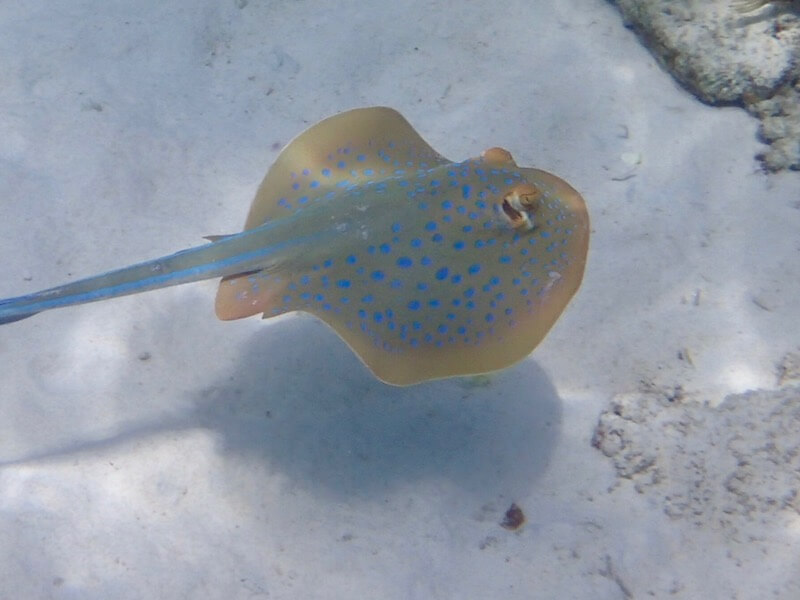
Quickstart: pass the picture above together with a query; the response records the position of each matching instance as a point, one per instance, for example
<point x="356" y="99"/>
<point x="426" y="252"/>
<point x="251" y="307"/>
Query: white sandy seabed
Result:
<point x="150" y="451"/>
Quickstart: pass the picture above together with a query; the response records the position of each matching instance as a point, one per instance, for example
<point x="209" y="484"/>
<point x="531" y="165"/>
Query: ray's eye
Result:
<point x="498" y="156"/>
<point x="520" y="205"/>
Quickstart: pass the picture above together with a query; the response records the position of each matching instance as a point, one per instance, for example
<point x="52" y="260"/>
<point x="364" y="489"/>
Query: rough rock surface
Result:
<point x="734" y="468"/>
<point x="725" y="54"/>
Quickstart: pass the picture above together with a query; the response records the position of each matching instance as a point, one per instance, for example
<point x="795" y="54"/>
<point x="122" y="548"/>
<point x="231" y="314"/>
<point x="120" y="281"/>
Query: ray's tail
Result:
<point x="228" y="255"/>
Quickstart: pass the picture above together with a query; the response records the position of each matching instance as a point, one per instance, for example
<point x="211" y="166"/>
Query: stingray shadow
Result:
<point x="313" y="412"/>
<point x="300" y="402"/>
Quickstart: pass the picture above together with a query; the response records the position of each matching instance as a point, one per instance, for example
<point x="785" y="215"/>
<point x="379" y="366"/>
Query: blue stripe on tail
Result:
<point x="9" y="304"/>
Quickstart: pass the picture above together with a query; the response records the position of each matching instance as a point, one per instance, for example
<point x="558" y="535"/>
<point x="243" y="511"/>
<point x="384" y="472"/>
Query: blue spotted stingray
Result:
<point x="427" y="268"/>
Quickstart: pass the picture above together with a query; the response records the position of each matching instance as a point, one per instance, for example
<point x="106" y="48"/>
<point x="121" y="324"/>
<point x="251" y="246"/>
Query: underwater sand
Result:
<point x="149" y="450"/>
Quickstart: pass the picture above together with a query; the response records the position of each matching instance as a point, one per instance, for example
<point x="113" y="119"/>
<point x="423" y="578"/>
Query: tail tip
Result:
<point x="14" y="318"/>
